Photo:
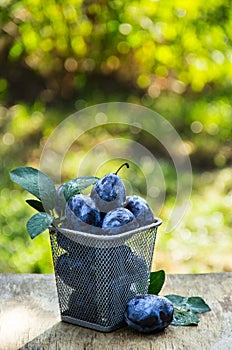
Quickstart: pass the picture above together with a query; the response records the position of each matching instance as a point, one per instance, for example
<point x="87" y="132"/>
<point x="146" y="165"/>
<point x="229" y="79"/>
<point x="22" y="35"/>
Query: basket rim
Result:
<point x="124" y="235"/>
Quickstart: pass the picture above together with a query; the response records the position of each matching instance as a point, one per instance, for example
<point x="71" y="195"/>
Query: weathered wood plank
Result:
<point x="29" y="318"/>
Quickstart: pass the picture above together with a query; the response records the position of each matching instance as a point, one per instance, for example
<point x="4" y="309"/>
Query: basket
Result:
<point x="97" y="275"/>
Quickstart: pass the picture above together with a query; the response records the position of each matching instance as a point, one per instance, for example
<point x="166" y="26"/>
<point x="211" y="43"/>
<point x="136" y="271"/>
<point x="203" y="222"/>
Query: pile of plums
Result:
<point x="107" y="210"/>
<point x="103" y="279"/>
<point x="100" y="278"/>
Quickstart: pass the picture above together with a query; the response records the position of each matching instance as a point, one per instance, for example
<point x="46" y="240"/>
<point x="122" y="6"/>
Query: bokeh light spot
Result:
<point x="8" y="139"/>
<point x="143" y="81"/>
<point x="123" y="47"/>
<point x="196" y="127"/>
<point x="125" y="28"/>
<point x="113" y="62"/>
<point x="70" y="64"/>
<point x="101" y="118"/>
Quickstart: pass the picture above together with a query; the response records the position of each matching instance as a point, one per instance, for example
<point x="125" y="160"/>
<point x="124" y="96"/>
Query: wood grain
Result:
<point x="29" y="318"/>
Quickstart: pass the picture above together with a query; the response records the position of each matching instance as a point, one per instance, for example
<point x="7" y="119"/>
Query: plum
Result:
<point x="109" y="192"/>
<point x="140" y="208"/>
<point x="83" y="305"/>
<point x="72" y="247"/>
<point x="149" y="313"/>
<point x="119" y="220"/>
<point x="81" y="210"/>
<point x="76" y="272"/>
<point x="136" y="264"/>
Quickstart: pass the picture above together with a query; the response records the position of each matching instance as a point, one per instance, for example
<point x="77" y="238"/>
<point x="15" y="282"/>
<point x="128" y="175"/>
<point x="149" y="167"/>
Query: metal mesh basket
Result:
<point x="97" y="275"/>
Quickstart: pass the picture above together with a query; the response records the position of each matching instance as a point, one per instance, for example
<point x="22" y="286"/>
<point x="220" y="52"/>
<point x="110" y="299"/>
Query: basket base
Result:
<point x="90" y="325"/>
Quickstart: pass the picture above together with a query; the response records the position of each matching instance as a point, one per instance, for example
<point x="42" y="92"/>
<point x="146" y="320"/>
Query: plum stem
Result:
<point x="124" y="164"/>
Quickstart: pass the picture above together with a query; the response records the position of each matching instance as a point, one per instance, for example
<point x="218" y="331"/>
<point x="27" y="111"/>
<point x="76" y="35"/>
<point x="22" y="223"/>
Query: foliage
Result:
<point x="157" y="279"/>
<point x="43" y="188"/>
<point x="172" y="46"/>
<point x="186" y="309"/>
<point x="202" y="242"/>
<point x="175" y="57"/>
<point x="36" y="183"/>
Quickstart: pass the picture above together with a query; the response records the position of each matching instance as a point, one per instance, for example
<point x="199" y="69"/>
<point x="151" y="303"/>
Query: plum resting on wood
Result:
<point x="149" y="313"/>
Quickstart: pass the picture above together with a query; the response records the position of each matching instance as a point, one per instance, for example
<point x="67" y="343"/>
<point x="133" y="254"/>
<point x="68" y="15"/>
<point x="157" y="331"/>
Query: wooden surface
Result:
<point x="29" y="318"/>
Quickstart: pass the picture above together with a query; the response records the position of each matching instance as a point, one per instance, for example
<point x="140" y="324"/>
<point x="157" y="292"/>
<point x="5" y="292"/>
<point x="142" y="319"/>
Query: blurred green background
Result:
<point x="175" y="57"/>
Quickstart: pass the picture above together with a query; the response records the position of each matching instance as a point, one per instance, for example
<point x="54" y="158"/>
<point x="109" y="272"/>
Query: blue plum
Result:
<point x="109" y="193"/>
<point x="140" y="208"/>
<point x="76" y="272"/>
<point x="83" y="305"/>
<point x="72" y="247"/>
<point x="138" y="271"/>
<point x="119" y="220"/>
<point x="149" y="313"/>
<point x="66" y="243"/>
<point x="81" y="214"/>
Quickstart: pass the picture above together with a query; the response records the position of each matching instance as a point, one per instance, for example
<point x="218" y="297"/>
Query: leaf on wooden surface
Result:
<point x="186" y="309"/>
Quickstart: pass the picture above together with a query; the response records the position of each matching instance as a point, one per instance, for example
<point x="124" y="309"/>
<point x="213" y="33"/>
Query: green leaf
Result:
<point x="157" y="279"/>
<point x="77" y="185"/>
<point x="198" y="305"/>
<point x="183" y="317"/>
<point x="37" y="183"/>
<point x="177" y="300"/>
<point x="195" y="304"/>
<point x="186" y="309"/>
<point x="71" y="188"/>
<point x="38" y="223"/>
<point x="36" y="204"/>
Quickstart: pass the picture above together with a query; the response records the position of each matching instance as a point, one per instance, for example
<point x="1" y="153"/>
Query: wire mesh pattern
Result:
<point x="97" y="276"/>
